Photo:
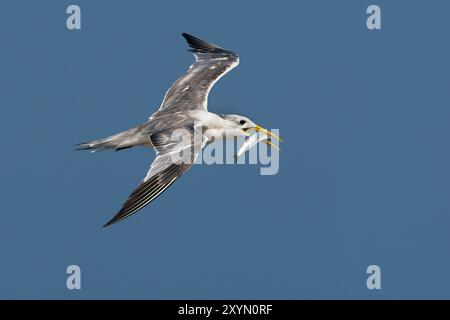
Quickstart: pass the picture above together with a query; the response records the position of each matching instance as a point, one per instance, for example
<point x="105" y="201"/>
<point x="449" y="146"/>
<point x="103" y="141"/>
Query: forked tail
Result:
<point x="123" y="140"/>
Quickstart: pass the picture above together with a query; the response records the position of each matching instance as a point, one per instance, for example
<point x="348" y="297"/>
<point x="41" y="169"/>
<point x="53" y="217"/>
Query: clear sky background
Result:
<point x="364" y="174"/>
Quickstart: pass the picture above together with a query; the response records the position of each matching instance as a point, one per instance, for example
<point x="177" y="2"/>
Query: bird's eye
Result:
<point x="242" y="122"/>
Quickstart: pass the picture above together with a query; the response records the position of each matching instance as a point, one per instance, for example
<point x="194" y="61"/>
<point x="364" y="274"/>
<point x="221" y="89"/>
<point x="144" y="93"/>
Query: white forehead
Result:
<point x="239" y="117"/>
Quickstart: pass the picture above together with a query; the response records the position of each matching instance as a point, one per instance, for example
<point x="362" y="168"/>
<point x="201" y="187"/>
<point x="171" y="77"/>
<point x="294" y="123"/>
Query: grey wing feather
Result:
<point x="164" y="171"/>
<point x="148" y="191"/>
<point x="190" y="92"/>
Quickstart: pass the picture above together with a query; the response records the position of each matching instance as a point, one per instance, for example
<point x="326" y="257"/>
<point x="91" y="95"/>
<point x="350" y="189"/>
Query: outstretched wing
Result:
<point x="174" y="157"/>
<point x="190" y="92"/>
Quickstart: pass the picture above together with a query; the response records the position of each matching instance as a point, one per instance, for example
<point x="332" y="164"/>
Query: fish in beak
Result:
<point x="260" y="135"/>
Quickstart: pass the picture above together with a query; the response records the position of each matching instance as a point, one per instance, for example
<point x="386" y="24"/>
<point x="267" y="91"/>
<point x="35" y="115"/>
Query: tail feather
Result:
<point x="119" y="141"/>
<point x="100" y="144"/>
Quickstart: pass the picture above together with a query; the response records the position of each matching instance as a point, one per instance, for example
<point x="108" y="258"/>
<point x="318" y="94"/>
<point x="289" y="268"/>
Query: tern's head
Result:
<point x="242" y="125"/>
<point x="239" y="122"/>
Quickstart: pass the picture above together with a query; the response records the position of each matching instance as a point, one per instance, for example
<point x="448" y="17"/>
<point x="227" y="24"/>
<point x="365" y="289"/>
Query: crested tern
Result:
<point x="184" y="107"/>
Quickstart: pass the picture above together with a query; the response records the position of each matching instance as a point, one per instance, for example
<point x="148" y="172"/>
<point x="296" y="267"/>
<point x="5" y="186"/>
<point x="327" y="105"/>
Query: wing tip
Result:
<point x="190" y="38"/>
<point x="202" y="46"/>
<point x="110" y="222"/>
<point x="119" y="216"/>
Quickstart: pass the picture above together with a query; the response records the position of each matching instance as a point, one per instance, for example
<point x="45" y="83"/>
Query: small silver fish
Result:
<point x="251" y="141"/>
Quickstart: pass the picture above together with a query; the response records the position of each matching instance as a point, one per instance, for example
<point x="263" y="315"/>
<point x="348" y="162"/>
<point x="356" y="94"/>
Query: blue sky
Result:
<point x="364" y="174"/>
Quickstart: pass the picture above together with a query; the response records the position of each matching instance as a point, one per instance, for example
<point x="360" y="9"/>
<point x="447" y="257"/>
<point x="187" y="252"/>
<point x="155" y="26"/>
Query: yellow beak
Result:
<point x="268" y="133"/>
<point x="272" y="145"/>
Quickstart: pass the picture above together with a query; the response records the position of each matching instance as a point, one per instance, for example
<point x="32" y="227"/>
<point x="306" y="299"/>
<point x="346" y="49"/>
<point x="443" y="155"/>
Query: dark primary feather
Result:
<point x="202" y="46"/>
<point x="148" y="191"/>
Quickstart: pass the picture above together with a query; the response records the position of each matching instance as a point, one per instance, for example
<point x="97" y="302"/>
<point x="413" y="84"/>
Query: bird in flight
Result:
<point x="183" y="110"/>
